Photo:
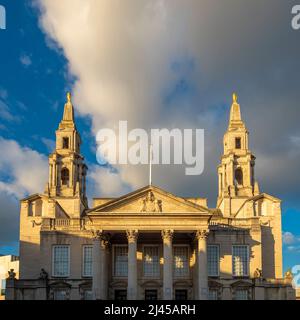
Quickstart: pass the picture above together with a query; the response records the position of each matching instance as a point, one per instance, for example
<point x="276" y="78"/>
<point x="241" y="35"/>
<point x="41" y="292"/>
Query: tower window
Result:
<point x="65" y="143"/>
<point x="239" y="176"/>
<point x="65" y="176"/>
<point x="238" y="143"/>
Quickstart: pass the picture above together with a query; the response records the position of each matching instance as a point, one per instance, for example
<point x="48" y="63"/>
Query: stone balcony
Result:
<point x="50" y="224"/>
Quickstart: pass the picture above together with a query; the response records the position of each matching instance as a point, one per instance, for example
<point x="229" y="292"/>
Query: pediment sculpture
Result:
<point x="151" y="204"/>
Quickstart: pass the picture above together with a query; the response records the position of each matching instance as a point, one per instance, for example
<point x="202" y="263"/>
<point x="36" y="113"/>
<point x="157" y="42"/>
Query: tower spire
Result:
<point x="234" y="97"/>
<point x="236" y="171"/>
<point x="235" y="111"/>
<point x="67" y="170"/>
<point x="68" y="109"/>
<point x="67" y="175"/>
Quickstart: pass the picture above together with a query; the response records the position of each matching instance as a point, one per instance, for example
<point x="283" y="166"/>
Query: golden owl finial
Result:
<point x="69" y="97"/>
<point x="234" y="97"/>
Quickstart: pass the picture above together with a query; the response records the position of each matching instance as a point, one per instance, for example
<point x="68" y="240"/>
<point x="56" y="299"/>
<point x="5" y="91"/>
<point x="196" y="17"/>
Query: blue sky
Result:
<point x="35" y="81"/>
<point x="191" y="83"/>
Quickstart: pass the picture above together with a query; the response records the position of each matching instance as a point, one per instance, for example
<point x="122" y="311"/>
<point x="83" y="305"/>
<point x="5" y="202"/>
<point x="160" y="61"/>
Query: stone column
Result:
<point x="50" y="174"/>
<point x="104" y="267"/>
<point x="100" y="281"/>
<point x="202" y="264"/>
<point x="132" y="264"/>
<point x="167" y="236"/>
<point x="220" y="184"/>
<point x="54" y="175"/>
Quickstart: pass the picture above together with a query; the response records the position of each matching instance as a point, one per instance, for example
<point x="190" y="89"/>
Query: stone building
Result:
<point x="9" y="264"/>
<point x="150" y="244"/>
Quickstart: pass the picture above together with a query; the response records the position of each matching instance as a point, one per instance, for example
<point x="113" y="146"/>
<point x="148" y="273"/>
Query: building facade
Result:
<point x="151" y="244"/>
<point x="8" y="265"/>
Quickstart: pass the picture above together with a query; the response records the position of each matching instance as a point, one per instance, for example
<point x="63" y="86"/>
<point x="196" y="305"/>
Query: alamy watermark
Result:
<point x="296" y="17"/>
<point x="138" y="147"/>
<point x="2" y="18"/>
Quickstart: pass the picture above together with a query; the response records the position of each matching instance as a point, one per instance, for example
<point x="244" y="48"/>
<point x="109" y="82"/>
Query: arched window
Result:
<point x="65" y="176"/>
<point x="239" y="176"/>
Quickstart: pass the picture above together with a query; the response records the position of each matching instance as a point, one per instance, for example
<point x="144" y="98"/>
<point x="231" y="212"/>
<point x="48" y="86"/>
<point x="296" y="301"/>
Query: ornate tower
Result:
<point x="67" y="170"/>
<point x="236" y="171"/>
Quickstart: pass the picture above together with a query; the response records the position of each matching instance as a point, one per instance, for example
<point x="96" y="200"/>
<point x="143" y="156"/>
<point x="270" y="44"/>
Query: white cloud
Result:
<point x="104" y="182"/>
<point x="5" y="113"/>
<point x="295" y="140"/>
<point x="25" y="60"/>
<point x="291" y="241"/>
<point x="294" y="249"/>
<point x="122" y="54"/>
<point x="3" y="93"/>
<point x="22" y="170"/>
<point x="288" y="238"/>
<point x="49" y="143"/>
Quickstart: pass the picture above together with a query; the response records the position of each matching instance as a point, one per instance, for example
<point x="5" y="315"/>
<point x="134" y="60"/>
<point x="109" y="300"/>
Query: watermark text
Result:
<point x="296" y="17"/>
<point x="2" y="18"/>
<point x="174" y="146"/>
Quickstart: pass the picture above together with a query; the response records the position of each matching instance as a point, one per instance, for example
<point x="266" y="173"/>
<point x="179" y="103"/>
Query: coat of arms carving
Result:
<point x="151" y="204"/>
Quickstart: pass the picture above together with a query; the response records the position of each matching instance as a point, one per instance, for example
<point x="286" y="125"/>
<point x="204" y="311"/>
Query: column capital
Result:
<point x="167" y="234"/>
<point x="201" y="234"/>
<point x="132" y="235"/>
<point x="99" y="235"/>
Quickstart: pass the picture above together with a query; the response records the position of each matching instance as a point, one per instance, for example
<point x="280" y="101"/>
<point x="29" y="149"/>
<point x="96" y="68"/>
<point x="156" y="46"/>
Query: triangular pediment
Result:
<point x="149" y="199"/>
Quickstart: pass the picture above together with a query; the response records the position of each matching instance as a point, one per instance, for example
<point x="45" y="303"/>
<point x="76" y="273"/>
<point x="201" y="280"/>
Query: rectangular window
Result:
<point x="181" y="294"/>
<point x="120" y="295"/>
<point x="150" y="294"/>
<point x="87" y="261"/>
<point x="151" y="261"/>
<point x="238" y="143"/>
<point x="213" y="260"/>
<point x="240" y="260"/>
<point x="121" y="261"/>
<point x="241" y="294"/>
<point x="30" y="209"/>
<point x="60" y="295"/>
<point x="65" y="143"/>
<point x="88" y="295"/>
<point x="213" y="294"/>
<point x="181" y="261"/>
<point x="61" y="261"/>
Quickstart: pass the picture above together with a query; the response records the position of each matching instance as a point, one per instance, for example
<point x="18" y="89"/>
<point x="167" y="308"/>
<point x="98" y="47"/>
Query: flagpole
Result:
<point x="150" y="165"/>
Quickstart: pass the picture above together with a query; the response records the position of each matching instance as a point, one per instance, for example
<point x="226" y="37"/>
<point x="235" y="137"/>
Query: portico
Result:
<point x="130" y="222"/>
<point x="137" y="282"/>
